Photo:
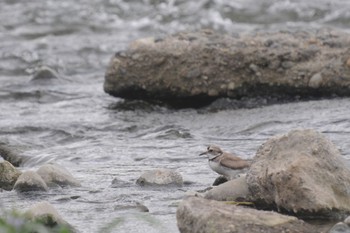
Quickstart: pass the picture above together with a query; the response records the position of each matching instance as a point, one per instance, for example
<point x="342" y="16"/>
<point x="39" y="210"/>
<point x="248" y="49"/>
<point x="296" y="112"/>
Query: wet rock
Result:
<point x="315" y="80"/>
<point x="46" y="214"/>
<point x="132" y="207"/>
<point x="8" y="175"/>
<point x="160" y="177"/>
<point x="30" y="181"/>
<point x="340" y="228"/>
<point x="55" y="175"/>
<point x="233" y="190"/>
<point x="44" y="75"/>
<point x="301" y="172"/>
<point x="182" y="71"/>
<point x="118" y="183"/>
<point x="220" y="180"/>
<point x="10" y="154"/>
<point x="196" y="215"/>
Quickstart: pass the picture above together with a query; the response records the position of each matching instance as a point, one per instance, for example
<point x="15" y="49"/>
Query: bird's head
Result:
<point x="212" y="151"/>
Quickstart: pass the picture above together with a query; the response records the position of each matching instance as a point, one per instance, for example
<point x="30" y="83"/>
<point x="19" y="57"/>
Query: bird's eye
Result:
<point x="210" y="150"/>
<point x="208" y="147"/>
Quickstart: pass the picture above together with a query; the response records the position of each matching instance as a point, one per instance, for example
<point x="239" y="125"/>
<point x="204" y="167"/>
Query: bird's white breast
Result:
<point x="229" y="173"/>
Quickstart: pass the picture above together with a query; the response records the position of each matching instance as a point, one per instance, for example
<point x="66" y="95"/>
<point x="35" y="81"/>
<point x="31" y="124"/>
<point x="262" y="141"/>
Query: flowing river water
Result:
<point x="98" y="138"/>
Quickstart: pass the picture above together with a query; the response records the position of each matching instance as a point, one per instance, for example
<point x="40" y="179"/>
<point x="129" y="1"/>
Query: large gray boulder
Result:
<point x="160" y="177"/>
<point x="8" y="175"/>
<point x="30" y="181"/>
<point x="195" y="68"/>
<point x="301" y="172"/>
<point x="198" y="215"/>
<point x="55" y="175"/>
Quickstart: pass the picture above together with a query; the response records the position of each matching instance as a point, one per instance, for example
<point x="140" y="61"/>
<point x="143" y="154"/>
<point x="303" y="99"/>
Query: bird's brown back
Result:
<point x="233" y="162"/>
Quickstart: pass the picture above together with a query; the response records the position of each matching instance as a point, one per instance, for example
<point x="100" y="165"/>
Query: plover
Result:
<point x="225" y="163"/>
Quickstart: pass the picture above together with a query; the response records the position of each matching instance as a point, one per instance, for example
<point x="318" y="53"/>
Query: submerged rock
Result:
<point x="8" y="175"/>
<point x="193" y="69"/>
<point x="30" y="181"/>
<point x="44" y="75"/>
<point x="198" y="215"/>
<point x="55" y="175"/>
<point x="303" y="173"/>
<point x="160" y="177"/>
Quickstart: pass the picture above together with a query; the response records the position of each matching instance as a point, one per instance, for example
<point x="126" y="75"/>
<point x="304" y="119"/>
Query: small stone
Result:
<point x="44" y="74"/>
<point x="254" y="68"/>
<point x="231" y="86"/>
<point x="30" y="181"/>
<point x="347" y="221"/>
<point x="348" y="62"/>
<point x="287" y="64"/>
<point x="194" y="73"/>
<point x="340" y="227"/>
<point x="205" y="77"/>
<point x="196" y="91"/>
<point x="223" y="86"/>
<point x="160" y="177"/>
<point x="316" y="80"/>
<point x="213" y="92"/>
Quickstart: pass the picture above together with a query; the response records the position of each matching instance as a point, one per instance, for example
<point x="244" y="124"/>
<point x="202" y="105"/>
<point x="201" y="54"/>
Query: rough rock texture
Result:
<point x="8" y="175"/>
<point x="9" y="154"/>
<point x="30" y="181"/>
<point x="196" y="215"/>
<point x="195" y="68"/>
<point x="55" y="175"/>
<point x="233" y="190"/>
<point x="46" y="214"/>
<point x="301" y="172"/>
<point x="160" y="177"/>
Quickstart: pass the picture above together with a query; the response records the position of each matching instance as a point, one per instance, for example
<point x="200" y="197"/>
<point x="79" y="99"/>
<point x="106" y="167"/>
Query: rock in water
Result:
<point x="160" y="177"/>
<point x="45" y="213"/>
<point x="195" y="68"/>
<point x="30" y="181"/>
<point x="301" y="172"/>
<point x="8" y="175"/>
<point x="198" y="215"/>
<point x="44" y="75"/>
<point x="54" y="175"/>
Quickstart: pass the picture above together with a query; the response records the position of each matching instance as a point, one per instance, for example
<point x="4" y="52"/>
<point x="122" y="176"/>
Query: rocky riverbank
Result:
<point x="195" y="68"/>
<point x="300" y="174"/>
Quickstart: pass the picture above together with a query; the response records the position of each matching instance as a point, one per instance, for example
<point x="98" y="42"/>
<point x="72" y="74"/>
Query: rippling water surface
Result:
<point x="72" y="122"/>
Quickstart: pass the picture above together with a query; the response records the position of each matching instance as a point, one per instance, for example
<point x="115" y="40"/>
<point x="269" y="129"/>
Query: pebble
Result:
<point x="316" y="80"/>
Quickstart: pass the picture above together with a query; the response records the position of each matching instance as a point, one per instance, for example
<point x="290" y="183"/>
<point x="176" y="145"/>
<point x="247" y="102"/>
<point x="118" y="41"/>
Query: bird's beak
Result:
<point x="204" y="153"/>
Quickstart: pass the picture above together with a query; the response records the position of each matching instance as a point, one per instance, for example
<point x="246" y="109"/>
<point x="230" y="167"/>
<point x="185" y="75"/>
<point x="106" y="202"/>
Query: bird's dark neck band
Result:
<point x="212" y="159"/>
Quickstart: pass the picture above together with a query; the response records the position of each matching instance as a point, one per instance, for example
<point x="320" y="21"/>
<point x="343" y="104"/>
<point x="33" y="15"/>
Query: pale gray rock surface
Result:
<point x="301" y="172"/>
<point x="194" y="68"/>
<point x="55" y="175"/>
<point x="160" y="177"/>
<point x="198" y="215"/>
<point x="30" y="181"/>
<point x="232" y="190"/>
<point x="8" y="175"/>
<point x="46" y="214"/>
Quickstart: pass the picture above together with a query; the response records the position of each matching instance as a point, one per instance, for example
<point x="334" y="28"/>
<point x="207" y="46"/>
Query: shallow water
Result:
<point x="72" y="122"/>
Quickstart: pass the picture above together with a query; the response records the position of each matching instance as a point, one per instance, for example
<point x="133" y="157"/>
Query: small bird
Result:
<point x="225" y="163"/>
